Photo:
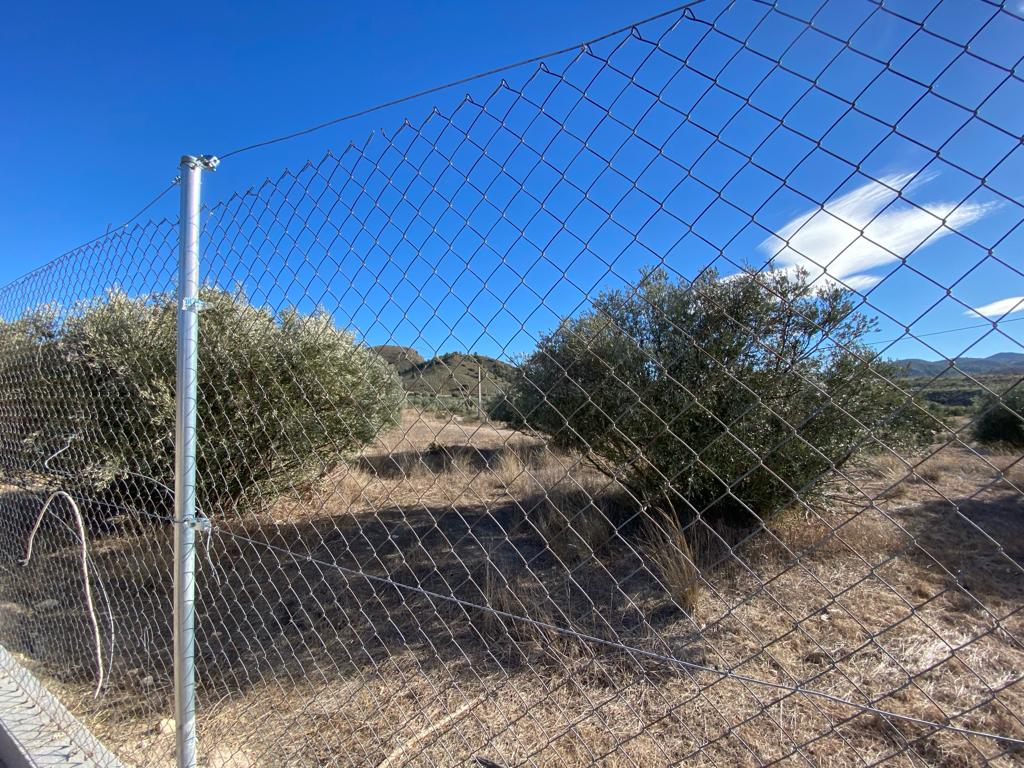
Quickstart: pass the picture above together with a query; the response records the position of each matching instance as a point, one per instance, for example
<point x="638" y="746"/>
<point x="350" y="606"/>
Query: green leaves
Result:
<point x="729" y="395"/>
<point x="282" y="396"/>
<point x="1001" y="419"/>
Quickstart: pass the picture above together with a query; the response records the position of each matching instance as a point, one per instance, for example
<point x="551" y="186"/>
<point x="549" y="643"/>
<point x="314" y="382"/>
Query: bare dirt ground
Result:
<point x="376" y="619"/>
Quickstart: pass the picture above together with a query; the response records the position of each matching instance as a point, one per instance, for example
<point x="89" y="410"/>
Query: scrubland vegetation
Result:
<point x="1001" y="419"/>
<point x="88" y="399"/>
<point x="688" y="508"/>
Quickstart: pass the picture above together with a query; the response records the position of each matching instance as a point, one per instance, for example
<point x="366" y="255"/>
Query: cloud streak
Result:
<point x="998" y="308"/>
<point x="862" y="230"/>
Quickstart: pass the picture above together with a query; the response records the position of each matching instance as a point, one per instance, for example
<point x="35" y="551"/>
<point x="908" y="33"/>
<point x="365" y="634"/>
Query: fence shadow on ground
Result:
<point x="424" y="581"/>
<point x="414" y="586"/>
<point x="421" y="578"/>
<point x="347" y="592"/>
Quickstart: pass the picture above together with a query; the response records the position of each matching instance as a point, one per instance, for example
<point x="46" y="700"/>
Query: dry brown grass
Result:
<point x="667" y="548"/>
<point x="572" y="509"/>
<point x="909" y="598"/>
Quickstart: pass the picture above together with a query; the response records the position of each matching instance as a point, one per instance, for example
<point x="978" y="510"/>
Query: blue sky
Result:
<point x="102" y="99"/>
<point x="478" y="225"/>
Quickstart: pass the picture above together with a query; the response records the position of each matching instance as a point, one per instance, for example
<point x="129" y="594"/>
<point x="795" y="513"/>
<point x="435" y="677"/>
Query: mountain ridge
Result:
<point x="455" y="373"/>
<point x="451" y="374"/>
<point x="1000" y="362"/>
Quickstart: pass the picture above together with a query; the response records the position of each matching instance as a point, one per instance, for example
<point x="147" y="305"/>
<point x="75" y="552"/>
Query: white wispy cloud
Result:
<point x="998" y="308"/>
<point x="862" y="230"/>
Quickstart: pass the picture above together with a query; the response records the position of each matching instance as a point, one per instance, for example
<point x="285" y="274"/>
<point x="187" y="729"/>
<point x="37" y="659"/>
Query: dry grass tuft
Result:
<point x="512" y="591"/>
<point x="573" y="510"/>
<point x="508" y="470"/>
<point x="666" y="546"/>
<point x="1011" y="470"/>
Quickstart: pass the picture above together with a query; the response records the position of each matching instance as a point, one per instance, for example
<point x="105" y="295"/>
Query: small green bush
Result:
<point x="720" y="396"/>
<point x="1000" y="419"/>
<point x="88" y="399"/>
<point x="505" y="407"/>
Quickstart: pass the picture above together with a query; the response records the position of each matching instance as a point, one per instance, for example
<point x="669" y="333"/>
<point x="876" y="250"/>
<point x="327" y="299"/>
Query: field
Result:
<point x="955" y="394"/>
<point x="376" y="619"/>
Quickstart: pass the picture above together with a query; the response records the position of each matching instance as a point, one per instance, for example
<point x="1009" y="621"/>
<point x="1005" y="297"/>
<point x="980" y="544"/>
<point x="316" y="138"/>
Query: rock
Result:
<point x="165" y="726"/>
<point x="149" y="682"/>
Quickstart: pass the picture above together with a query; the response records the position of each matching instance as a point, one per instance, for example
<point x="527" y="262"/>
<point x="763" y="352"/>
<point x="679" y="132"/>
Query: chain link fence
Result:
<point x="659" y="403"/>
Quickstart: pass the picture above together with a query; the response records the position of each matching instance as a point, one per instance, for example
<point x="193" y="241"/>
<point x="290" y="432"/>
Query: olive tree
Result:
<point x="726" y="396"/>
<point x="88" y="397"/>
<point x="999" y="419"/>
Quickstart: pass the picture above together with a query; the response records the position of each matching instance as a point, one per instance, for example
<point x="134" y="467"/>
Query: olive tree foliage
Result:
<point x="721" y="396"/>
<point x="87" y="398"/>
<point x="1001" y="419"/>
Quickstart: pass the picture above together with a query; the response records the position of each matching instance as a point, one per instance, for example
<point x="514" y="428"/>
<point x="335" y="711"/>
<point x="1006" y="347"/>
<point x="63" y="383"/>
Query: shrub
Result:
<point x="726" y="396"/>
<point x="504" y="408"/>
<point x="1000" y="419"/>
<point x="89" y="398"/>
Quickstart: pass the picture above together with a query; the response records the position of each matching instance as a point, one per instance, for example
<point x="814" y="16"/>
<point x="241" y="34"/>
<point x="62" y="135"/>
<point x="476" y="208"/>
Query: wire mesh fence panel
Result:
<point x="86" y="466"/>
<point x="654" y="493"/>
<point x="656" y="404"/>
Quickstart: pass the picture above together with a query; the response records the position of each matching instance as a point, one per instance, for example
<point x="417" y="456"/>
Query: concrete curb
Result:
<point x="36" y="731"/>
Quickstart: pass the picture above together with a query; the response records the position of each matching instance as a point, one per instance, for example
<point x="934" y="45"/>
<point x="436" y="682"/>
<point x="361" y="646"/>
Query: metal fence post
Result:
<point x="186" y="405"/>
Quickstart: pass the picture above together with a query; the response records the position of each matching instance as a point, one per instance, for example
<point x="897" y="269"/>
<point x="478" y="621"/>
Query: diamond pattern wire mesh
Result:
<point x="663" y="501"/>
<point x="60" y="422"/>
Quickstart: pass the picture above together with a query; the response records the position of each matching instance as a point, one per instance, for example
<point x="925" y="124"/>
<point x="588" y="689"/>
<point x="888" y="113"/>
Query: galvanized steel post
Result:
<point x="185" y="521"/>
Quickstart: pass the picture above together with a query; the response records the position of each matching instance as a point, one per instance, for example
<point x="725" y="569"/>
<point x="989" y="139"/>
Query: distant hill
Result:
<point x="402" y="358"/>
<point x="1001" y="362"/>
<point x="454" y="374"/>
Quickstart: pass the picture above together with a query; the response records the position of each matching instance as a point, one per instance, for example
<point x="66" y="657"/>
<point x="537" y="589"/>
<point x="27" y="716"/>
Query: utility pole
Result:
<point x="479" y="389"/>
